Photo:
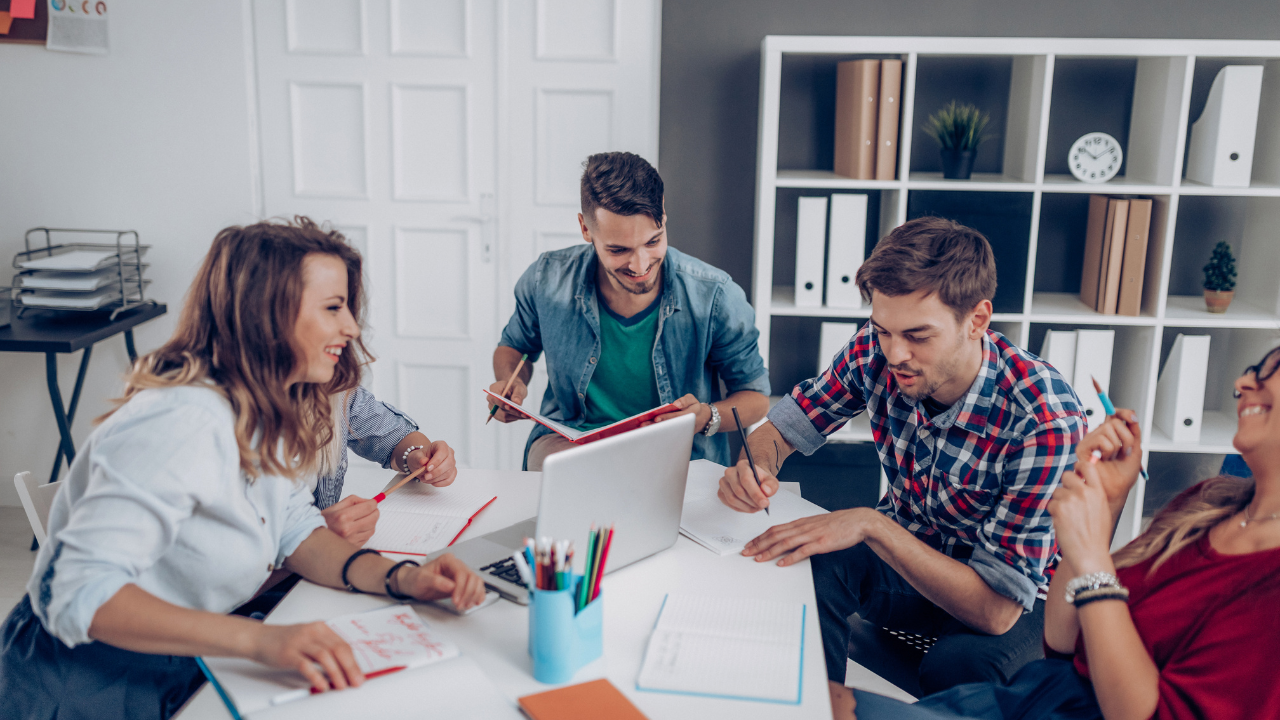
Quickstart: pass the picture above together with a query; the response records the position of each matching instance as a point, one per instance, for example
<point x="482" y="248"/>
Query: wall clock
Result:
<point x="1095" y="157"/>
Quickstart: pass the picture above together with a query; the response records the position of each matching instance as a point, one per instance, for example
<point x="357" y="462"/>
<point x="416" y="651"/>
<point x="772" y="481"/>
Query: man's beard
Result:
<point x="638" y="289"/>
<point x="930" y="382"/>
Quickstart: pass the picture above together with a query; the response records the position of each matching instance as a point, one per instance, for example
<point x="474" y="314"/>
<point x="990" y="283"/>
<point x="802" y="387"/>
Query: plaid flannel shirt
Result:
<point x="975" y="479"/>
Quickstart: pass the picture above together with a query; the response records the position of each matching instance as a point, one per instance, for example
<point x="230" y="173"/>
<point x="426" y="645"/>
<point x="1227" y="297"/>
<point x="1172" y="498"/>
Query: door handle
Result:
<point x="486" y="219"/>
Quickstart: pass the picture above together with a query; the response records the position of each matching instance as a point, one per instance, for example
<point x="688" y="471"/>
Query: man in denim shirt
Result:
<point x="629" y="324"/>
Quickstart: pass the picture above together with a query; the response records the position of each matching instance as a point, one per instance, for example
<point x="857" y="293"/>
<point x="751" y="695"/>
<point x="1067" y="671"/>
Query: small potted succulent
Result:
<point x="1220" y="279"/>
<point x="958" y="129"/>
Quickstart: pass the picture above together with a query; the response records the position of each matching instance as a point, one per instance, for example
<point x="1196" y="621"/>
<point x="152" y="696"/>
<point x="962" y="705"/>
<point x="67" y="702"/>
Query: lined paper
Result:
<point x="726" y="647"/>
<point x="721" y="529"/>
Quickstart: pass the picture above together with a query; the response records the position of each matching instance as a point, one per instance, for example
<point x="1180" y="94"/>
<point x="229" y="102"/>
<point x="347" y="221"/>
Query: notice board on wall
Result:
<point x="24" y="21"/>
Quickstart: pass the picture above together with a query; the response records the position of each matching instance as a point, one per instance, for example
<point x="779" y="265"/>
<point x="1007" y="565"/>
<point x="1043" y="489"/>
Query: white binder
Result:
<point x="833" y="339"/>
<point x="1222" y="139"/>
<point x="1093" y="361"/>
<point x="1059" y="350"/>
<point x="1180" y="389"/>
<point x="811" y="240"/>
<point x="846" y="247"/>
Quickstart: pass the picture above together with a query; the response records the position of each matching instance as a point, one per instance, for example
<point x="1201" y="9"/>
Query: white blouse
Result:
<point x="156" y="498"/>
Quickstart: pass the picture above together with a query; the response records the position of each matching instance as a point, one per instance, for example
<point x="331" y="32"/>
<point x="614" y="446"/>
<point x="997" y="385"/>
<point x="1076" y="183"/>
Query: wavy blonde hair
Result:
<point x="236" y="333"/>
<point x="1187" y="519"/>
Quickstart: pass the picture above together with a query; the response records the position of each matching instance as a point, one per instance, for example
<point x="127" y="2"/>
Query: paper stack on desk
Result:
<point x="722" y="530"/>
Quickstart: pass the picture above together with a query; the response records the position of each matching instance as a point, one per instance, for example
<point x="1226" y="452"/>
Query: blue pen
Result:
<point x="1110" y="410"/>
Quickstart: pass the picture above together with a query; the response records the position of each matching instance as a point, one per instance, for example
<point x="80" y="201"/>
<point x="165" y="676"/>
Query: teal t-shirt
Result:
<point x="623" y="383"/>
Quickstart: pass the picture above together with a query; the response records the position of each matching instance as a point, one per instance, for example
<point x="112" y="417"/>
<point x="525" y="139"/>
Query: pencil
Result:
<point x="383" y="495"/>
<point x="604" y="558"/>
<point x="494" y="410"/>
<point x="1110" y="410"/>
<point x="747" y="449"/>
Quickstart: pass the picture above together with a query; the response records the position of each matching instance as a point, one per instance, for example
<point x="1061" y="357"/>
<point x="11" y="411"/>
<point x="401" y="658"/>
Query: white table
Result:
<point x="495" y="637"/>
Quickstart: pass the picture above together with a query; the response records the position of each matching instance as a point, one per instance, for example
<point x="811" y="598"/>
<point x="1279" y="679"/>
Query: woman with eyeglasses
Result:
<point x="1181" y="623"/>
<point x="188" y="495"/>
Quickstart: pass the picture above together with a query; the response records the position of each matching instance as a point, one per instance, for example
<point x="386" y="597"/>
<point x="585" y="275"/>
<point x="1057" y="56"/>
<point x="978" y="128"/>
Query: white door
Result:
<point x="379" y="117"/>
<point x="582" y="78"/>
<point x="446" y="138"/>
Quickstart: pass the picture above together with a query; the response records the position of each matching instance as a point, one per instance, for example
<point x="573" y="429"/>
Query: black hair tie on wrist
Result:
<point x="392" y="593"/>
<point x="347" y="566"/>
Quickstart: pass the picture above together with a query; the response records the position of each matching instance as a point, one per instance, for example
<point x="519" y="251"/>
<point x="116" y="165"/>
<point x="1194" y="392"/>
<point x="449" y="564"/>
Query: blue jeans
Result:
<point x="42" y="679"/>
<point x="856" y="580"/>
<point x="1043" y="690"/>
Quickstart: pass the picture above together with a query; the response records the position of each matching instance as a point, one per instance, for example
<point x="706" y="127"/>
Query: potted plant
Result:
<point x="1219" y="279"/>
<point x="958" y="129"/>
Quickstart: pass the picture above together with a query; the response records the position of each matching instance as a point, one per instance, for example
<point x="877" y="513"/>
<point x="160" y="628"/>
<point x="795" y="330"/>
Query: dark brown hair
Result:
<point x="235" y="333"/>
<point x="934" y="254"/>
<point x="622" y="183"/>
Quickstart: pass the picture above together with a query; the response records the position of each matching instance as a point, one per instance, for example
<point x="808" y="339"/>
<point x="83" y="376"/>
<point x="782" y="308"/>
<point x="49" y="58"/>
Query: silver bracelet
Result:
<point x="404" y="459"/>
<point x="1091" y="581"/>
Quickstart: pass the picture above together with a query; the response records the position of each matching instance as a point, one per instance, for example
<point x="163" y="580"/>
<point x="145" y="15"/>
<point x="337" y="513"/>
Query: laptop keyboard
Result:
<point x="504" y="569"/>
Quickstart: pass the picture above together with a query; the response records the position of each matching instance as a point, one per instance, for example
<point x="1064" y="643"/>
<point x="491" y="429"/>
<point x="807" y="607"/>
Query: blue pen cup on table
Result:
<point x="560" y="640"/>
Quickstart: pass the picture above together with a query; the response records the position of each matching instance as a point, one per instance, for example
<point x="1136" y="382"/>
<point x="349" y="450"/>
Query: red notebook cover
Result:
<point x="581" y="437"/>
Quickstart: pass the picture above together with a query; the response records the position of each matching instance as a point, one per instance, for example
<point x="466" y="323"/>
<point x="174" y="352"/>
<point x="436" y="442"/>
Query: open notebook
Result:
<point x="419" y="519"/>
<point x="726" y="647"/>
<point x="722" y="530"/>
<point x="383" y="641"/>
<point x="582" y="437"/>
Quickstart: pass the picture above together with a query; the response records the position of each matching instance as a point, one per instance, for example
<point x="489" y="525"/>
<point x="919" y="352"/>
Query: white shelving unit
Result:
<point x="1158" y="124"/>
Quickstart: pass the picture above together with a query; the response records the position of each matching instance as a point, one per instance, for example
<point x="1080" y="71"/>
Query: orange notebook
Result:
<point x="582" y="437"/>
<point x="586" y="701"/>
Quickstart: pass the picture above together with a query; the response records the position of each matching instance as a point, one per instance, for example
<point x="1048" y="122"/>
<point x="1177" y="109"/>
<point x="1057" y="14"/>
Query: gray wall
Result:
<point x="711" y="77"/>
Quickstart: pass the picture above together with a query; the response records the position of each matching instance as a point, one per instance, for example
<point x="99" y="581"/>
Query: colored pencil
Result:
<point x="383" y="495"/>
<point x="494" y="410"/>
<point x="1110" y="410"/>
<point x="604" y="558"/>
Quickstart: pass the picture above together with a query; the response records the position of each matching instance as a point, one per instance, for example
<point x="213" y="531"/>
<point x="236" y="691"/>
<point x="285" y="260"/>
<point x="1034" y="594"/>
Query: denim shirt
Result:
<point x="706" y="335"/>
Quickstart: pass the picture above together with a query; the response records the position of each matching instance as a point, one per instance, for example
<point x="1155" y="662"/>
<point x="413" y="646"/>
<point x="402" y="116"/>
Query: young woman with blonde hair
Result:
<point x="1182" y="622"/>
<point x="190" y="494"/>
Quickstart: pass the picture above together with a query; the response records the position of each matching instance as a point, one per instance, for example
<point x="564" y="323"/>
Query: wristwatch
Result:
<point x="713" y="425"/>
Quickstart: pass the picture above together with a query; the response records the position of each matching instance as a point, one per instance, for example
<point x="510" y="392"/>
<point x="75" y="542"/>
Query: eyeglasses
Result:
<point x="1263" y="370"/>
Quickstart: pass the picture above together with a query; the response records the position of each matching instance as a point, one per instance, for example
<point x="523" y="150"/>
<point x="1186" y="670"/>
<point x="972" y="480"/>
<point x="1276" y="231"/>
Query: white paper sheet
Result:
<point x="722" y="530"/>
<point x="726" y="647"/>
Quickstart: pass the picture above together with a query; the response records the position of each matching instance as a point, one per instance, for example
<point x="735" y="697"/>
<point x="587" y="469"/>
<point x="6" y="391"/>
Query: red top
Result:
<point x="1211" y="623"/>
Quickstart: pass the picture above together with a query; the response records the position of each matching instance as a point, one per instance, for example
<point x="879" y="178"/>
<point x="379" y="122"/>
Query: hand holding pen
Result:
<point x="1114" y="447"/>
<point x="745" y="487"/>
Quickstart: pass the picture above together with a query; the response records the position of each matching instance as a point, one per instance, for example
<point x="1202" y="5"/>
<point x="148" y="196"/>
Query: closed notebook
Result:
<point x="419" y="519"/>
<point x="1135" y="258"/>
<point x="857" y="114"/>
<point x="887" y="129"/>
<point x="586" y="701"/>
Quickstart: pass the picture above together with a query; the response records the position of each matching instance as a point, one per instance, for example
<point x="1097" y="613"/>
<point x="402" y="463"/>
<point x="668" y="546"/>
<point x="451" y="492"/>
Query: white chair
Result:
<point x="37" y="498"/>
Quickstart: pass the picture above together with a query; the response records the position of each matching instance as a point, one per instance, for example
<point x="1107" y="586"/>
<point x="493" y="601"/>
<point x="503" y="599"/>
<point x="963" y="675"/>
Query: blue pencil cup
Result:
<point x="561" y="641"/>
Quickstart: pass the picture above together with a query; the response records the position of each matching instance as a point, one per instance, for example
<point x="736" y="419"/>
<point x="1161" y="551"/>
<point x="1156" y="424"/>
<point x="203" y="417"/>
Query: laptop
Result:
<point x="634" y="481"/>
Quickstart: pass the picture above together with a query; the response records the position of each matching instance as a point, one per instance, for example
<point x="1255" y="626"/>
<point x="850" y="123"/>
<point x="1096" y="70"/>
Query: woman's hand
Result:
<point x="1118" y="442"/>
<point x="352" y="518"/>
<point x="303" y="648"/>
<point x="1082" y="520"/>
<point x="438" y="457"/>
<point x="446" y="576"/>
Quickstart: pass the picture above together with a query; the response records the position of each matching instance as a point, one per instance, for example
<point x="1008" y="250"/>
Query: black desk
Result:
<point x="52" y="333"/>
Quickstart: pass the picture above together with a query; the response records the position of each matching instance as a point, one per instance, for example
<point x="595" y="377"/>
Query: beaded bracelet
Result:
<point x="1091" y="581"/>
<point x="347" y="566"/>
<point x="387" y="583"/>
<point x="404" y="459"/>
<point x="1084" y="597"/>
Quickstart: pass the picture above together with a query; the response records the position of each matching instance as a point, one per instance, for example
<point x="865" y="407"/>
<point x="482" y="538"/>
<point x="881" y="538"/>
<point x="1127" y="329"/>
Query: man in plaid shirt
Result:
<point x="973" y="434"/>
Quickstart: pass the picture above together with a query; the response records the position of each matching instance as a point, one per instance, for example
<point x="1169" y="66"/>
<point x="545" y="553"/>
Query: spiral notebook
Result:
<point x="420" y="519"/>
